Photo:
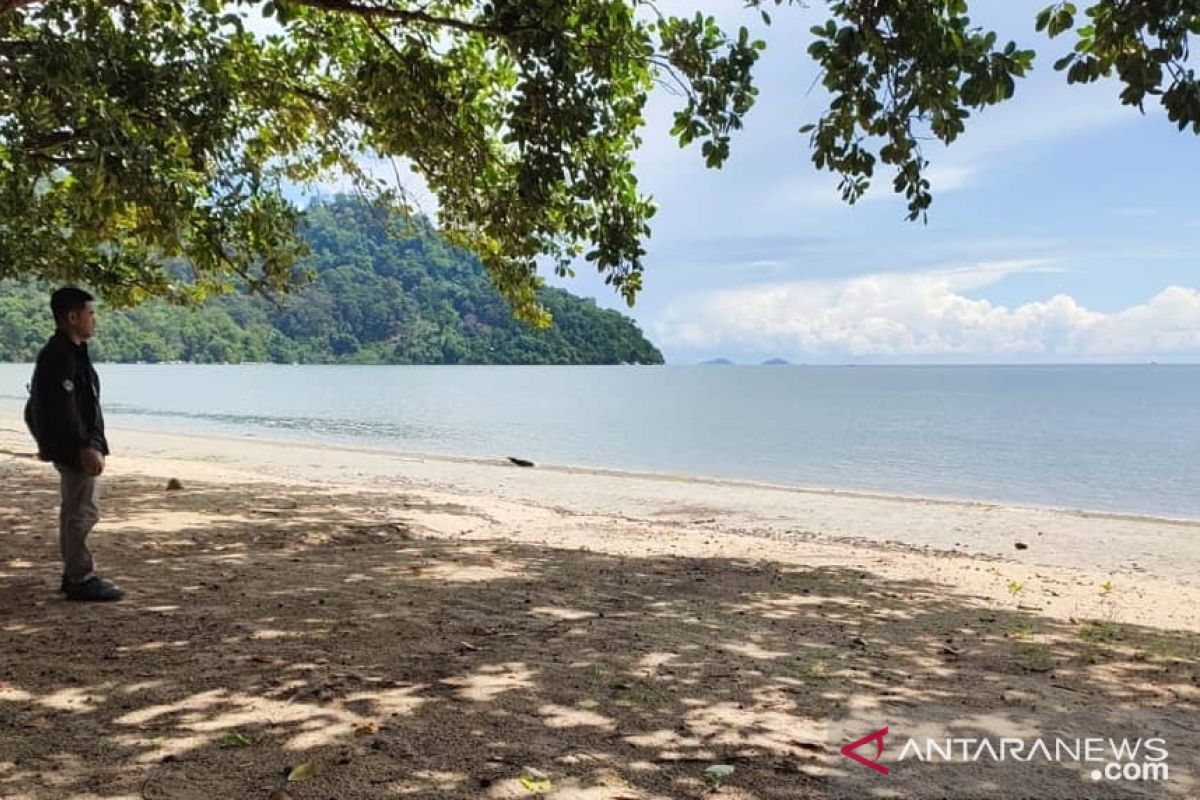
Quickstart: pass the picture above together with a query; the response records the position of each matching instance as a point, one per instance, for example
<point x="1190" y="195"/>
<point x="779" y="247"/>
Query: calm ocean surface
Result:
<point x="1120" y="438"/>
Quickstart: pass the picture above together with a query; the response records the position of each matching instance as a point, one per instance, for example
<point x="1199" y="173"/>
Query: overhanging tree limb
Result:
<point x="522" y="117"/>
<point x="394" y="14"/>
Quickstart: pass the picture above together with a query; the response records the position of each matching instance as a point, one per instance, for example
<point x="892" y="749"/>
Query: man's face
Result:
<point x="82" y="323"/>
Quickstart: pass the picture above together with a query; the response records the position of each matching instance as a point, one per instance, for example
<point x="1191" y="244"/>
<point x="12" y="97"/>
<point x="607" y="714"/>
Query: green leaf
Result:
<point x="534" y="780"/>
<point x="235" y="20"/>
<point x="235" y="739"/>
<point x="302" y="772"/>
<point x="1063" y="20"/>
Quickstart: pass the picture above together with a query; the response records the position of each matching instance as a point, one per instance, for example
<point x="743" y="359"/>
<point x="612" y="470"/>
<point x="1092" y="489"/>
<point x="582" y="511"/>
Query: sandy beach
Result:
<point x="398" y="625"/>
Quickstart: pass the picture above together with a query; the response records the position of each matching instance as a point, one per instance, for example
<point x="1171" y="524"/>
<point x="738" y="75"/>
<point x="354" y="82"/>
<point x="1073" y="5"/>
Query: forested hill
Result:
<point x="377" y="299"/>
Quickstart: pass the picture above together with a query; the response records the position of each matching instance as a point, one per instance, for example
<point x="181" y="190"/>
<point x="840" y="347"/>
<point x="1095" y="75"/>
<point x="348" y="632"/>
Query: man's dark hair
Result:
<point x="66" y="300"/>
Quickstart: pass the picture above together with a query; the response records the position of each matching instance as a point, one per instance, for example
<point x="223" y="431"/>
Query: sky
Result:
<point x="1064" y="229"/>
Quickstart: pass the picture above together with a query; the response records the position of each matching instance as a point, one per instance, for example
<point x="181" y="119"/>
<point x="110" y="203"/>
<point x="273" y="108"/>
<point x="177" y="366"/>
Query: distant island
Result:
<point x="377" y="298"/>
<point x="718" y="362"/>
<point x="776" y="362"/>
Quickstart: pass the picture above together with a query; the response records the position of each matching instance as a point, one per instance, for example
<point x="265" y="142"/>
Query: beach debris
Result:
<point x="520" y="462"/>
<point x="174" y="485"/>
<point x="534" y="780"/>
<point x="366" y="729"/>
<point x="1020" y="545"/>
<point x="951" y="650"/>
<point x="302" y="772"/>
<point x="718" y="774"/>
<point x="279" y="794"/>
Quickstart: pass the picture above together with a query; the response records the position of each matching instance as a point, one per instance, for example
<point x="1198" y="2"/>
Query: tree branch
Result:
<point x="50" y="141"/>
<point x="665" y="65"/>
<point x="61" y="161"/>
<point x="404" y="15"/>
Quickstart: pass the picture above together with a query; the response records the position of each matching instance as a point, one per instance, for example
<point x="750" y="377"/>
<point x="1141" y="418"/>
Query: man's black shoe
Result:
<point x="94" y="589"/>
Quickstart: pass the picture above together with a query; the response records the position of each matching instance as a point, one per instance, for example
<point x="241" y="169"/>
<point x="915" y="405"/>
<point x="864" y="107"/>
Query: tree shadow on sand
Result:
<point x="269" y="628"/>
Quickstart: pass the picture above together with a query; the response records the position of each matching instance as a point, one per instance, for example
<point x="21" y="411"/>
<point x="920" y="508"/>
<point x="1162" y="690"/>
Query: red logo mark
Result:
<point x="873" y="763"/>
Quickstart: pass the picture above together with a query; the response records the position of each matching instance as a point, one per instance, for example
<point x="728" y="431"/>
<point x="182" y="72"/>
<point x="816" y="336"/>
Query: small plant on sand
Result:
<point x="815" y="670"/>
<point x="1105" y="628"/>
<point x="1015" y="588"/>
<point x="1174" y="648"/>
<point x="1094" y="631"/>
<point x="1035" y="657"/>
<point x="1089" y="654"/>
<point x="1022" y="631"/>
<point x="1107" y="606"/>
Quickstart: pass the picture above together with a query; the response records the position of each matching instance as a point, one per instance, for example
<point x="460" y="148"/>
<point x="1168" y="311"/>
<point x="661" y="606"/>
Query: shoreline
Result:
<point x="10" y="422"/>
<point x="1126" y="547"/>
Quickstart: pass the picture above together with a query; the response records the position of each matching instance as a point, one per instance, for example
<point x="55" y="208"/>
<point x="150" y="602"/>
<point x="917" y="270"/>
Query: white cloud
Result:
<point x="951" y="177"/>
<point x="925" y="314"/>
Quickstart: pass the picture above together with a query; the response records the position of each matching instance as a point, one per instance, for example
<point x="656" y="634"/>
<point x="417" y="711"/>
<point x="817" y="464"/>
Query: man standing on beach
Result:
<point x="64" y="416"/>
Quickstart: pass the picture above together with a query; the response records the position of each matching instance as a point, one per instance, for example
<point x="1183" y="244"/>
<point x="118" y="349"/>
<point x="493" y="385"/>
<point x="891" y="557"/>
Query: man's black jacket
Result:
<point x="63" y="412"/>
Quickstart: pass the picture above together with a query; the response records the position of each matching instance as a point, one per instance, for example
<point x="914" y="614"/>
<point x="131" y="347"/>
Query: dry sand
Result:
<point x="429" y="627"/>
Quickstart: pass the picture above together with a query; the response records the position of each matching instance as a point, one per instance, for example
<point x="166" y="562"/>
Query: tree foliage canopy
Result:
<point x="136" y="134"/>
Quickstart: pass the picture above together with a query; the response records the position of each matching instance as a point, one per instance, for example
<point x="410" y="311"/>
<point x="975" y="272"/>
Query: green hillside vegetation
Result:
<point x="377" y="298"/>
